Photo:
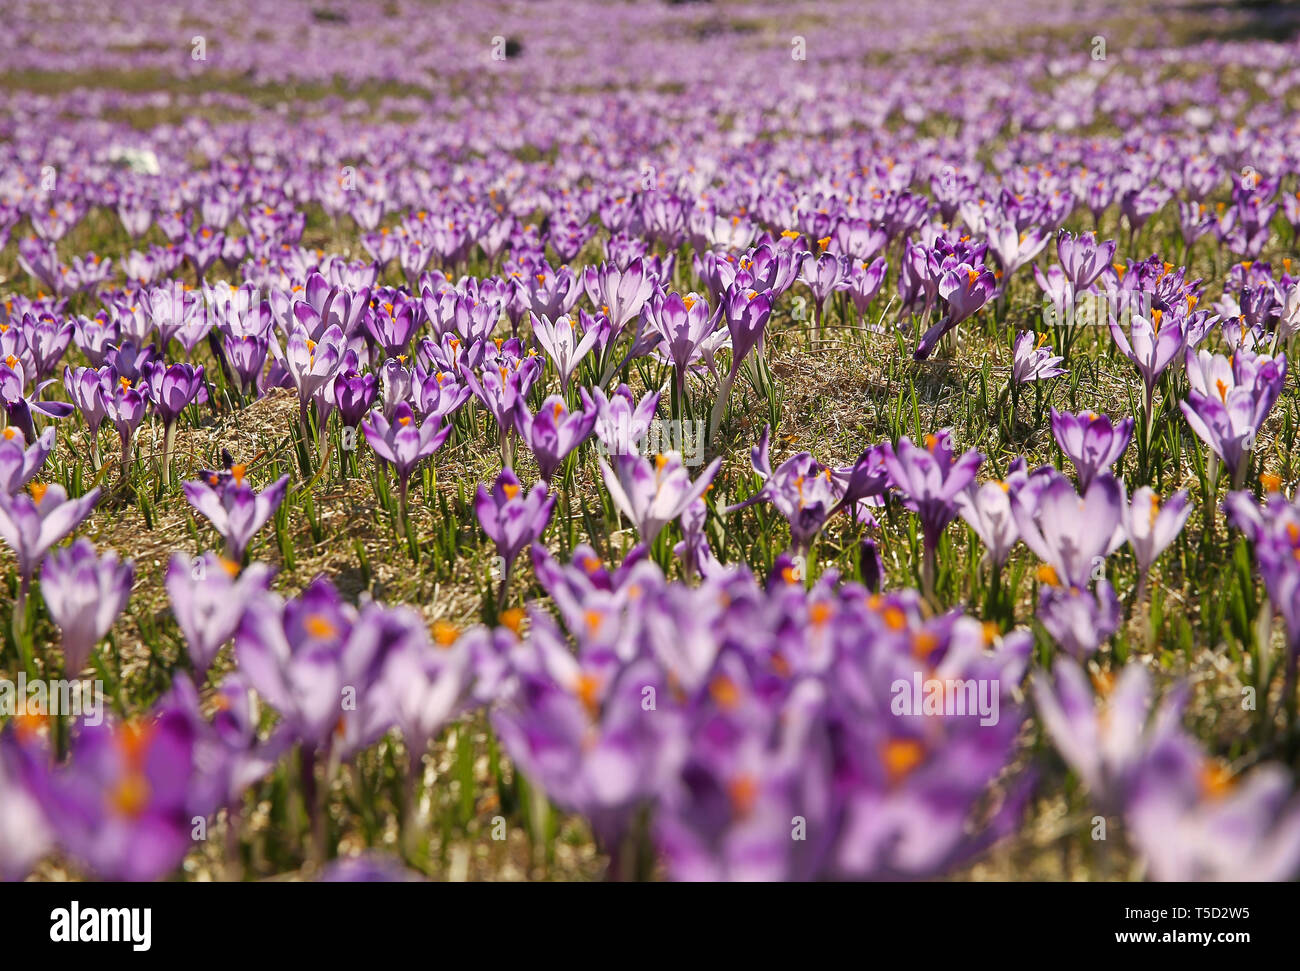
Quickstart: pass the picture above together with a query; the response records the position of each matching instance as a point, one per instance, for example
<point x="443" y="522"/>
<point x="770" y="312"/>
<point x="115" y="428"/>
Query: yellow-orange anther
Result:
<point x="900" y="756"/>
<point x="587" y="688"/>
<point x="742" y="791"/>
<point x="724" y="692"/>
<point x="319" y="626"/>
<point x="513" y="619"/>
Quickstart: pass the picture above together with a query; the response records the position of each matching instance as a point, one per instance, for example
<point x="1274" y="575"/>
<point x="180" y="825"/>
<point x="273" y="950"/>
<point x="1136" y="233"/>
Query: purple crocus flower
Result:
<point x="930" y="480"/>
<point x="560" y="342"/>
<point x="1079" y="621"/>
<point x="807" y="493"/>
<point x="774" y="267"/>
<point x="682" y="325"/>
<point x="1191" y="820"/>
<point x="1071" y="534"/>
<point x="84" y="594"/>
<point x="124" y="406"/>
<point x="289" y="651"/>
<point x="555" y="431"/>
<point x="1090" y="441"/>
<point x="128" y="360"/>
<point x="429" y="685"/>
<point x="136" y="214"/>
<point x="871" y="567"/>
<point x="694" y="550"/>
<point x="317" y="660"/>
<point x="1228" y="419"/>
<point x="470" y="316"/>
<point x="824" y="275"/>
<point x="402" y="443"/>
<point x="865" y="281"/>
<point x="19" y="463"/>
<point x="47" y="340"/>
<point x="746" y="313"/>
<point x="32" y="522"/>
<point x="369" y="868"/>
<point x="398" y="383"/>
<point x="803" y="492"/>
<point x="567" y="236"/>
<point x="1151" y="344"/>
<point x="986" y="509"/>
<point x="592" y="600"/>
<point x="24" y="834"/>
<point x="88" y="272"/>
<point x="512" y="518"/>
<point x="330" y="306"/>
<point x="1031" y="361"/>
<point x="723" y="819"/>
<point x="228" y="749"/>
<point x="1014" y="247"/>
<point x="763" y="750"/>
<point x="354" y="395"/>
<point x="619" y="294"/>
<point x="862" y="484"/>
<point x="575" y="725"/>
<point x="1058" y="293"/>
<point x="554" y="292"/>
<point x="1083" y="258"/>
<point x="1274" y="528"/>
<point x="1151" y="525"/>
<point x="392" y="327"/>
<point x="859" y="240"/>
<point x="622" y="422"/>
<point x="310" y="363"/>
<point x="504" y="386"/>
<point x="119" y="807"/>
<point x="964" y="289"/>
<point x="19" y="405"/>
<point x="377" y="635"/>
<point x="1140" y="205"/>
<point x="654" y="493"/>
<point x="85" y="387"/>
<point x="40" y="259"/>
<point x="1106" y="743"/>
<point x="134" y="322"/>
<point x="175" y="312"/>
<point x="436" y="395"/>
<point x="233" y="508"/>
<point x="246" y="356"/>
<point x="171" y="388"/>
<point x="202" y="249"/>
<point x="208" y="598"/>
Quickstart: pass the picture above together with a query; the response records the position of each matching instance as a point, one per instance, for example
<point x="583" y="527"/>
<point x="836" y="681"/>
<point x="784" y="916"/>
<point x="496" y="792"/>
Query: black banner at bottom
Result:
<point x="179" y="921"/>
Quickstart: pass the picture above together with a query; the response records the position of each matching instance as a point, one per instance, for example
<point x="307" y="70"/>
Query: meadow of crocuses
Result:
<point x="718" y="441"/>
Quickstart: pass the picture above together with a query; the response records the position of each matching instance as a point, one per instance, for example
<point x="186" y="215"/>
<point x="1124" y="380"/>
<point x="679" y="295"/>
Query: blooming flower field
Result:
<point x="707" y="441"/>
